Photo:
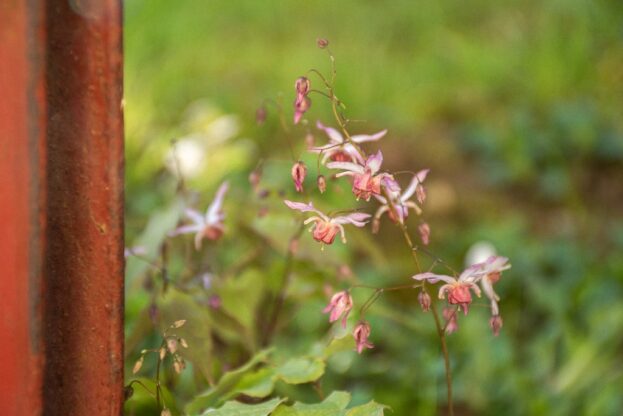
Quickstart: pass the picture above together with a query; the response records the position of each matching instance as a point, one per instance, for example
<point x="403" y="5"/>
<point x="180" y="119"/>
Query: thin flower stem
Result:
<point x="158" y="388"/>
<point x="281" y="296"/>
<point x="440" y="329"/>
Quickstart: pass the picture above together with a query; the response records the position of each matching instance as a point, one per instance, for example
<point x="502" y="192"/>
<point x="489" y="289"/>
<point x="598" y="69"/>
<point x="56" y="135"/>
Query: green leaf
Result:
<point x="226" y="387"/>
<point x="301" y="370"/>
<point x="369" y="409"/>
<point x="258" y="384"/>
<point x="333" y="405"/>
<point x="241" y="409"/>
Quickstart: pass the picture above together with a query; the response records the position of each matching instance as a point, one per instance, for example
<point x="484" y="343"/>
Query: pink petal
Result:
<point x="360" y="138"/>
<point x="434" y="278"/>
<point x="374" y="162"/>
<point x="348" y="166"/>
<point x="333" y="134"/>
<point x="418" y="178"/>
<point x="217" y="204"/>
<point x="300" y="206"/>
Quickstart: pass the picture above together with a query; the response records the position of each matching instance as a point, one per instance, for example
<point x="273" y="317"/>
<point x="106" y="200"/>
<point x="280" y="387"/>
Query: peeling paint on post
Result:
<point x="61" y="207"/>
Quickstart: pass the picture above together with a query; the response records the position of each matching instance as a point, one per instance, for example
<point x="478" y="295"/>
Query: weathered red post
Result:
<point x="61" y="207"/>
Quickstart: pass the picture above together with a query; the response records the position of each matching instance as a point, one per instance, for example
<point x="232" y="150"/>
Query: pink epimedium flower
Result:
<point x="325" y="228"/>
<point x="340" y="150"/>
<point x="401" y="201"/>
<point x="367" y="180"/>
<point x="361" y="333"/>
<point x="208" y="226"/>
<point x="339" y="306"/>
<point x="458" y="289"/>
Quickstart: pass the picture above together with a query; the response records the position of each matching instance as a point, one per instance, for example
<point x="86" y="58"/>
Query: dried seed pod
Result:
<point x="138" y="365"/>
<point x="163" y="352"/>
<point x="172" y="345"/>
<point x="183" y="343"/>
<point x="178" y="324"/>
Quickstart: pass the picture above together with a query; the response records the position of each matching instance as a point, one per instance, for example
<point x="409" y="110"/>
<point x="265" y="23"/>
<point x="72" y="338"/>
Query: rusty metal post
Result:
<point x="61" y="207"/>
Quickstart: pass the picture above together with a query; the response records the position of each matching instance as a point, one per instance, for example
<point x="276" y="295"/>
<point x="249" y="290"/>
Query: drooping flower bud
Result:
<point x="425" y="300"/>
<point x="302" y="86"/>
<point x="450" y="315"/>
<point x="299" y="171"/>
<point x="496" y="324"/>
<point x="361" y="334"/>
<point x="301" y="105"/>
<point x="424" y="230"/>
<point x="339" y="306"/>
<point x="322" y="43"/>
<point x="322" y="184"/>
<point x="420" y="193"/>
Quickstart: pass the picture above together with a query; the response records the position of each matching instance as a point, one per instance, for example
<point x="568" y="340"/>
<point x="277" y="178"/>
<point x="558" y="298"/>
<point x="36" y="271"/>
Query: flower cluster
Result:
<point x="343" y="154"/>
<point x="458" y="290"/>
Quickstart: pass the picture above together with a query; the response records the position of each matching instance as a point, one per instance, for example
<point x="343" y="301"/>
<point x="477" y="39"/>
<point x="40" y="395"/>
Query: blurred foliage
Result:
<point x="516" y="108"/>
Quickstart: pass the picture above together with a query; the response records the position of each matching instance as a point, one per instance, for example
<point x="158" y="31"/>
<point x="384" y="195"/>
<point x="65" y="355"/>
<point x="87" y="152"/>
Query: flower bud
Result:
<point x="425" y="300"/>
<point x="322" y="184"/>
<point x="322" y="43"/>
<point x="450" y="315"/>
<point x="424" y="230"/>
<point x="361" y="334"/>
<point x="301" y="105"/>
<point x="302" y="86"/>
<point x="420" y="194"/>
<point x="496" y="324"/>
<point x="299" y="171"/>
<point x="340" y="306"/>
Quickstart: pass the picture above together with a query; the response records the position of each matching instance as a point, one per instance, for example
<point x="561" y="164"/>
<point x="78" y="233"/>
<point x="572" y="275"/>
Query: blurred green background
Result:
<point x="515" y="106"/>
